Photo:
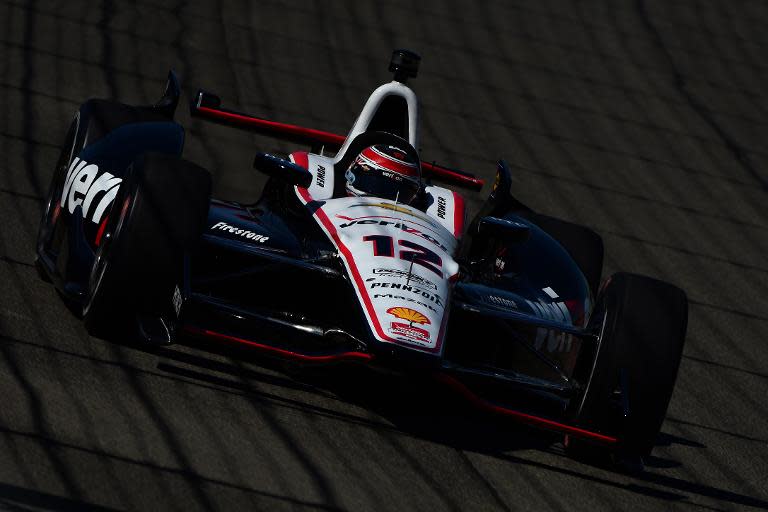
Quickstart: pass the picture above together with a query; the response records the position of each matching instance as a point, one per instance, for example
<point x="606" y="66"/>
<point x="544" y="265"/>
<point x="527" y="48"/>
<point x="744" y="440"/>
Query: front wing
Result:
<point x="536" y="401"/>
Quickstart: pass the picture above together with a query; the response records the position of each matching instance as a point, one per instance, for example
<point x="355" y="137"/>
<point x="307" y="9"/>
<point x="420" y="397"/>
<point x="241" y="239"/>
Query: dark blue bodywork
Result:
<point x="267" y="272"/>
<point x="68" y="251"/>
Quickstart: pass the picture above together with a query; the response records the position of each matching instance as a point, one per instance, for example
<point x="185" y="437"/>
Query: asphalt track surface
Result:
<point x="644" y="119"/>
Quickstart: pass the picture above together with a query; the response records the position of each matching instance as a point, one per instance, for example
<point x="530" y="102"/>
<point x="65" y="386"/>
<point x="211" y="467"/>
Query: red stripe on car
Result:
<point x="331" y="229"/>
<point x="300" y="158"/>
<point x="100" y="232"/>
<point x="288" y="354"/>
<point x="458" y="215"/>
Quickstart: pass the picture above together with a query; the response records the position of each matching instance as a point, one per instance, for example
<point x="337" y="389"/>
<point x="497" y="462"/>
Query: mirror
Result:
<point x="283" y="170"/>
<point x="503" y="229"/>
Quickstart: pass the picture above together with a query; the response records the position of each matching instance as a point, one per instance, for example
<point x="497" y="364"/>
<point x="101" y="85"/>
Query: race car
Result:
<point x="354" y="254"/>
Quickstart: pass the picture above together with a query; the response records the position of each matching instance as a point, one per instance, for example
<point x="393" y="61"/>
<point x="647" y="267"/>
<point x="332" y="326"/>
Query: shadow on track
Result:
<point x="419" y="408"/>
<point x="19" y="498"/>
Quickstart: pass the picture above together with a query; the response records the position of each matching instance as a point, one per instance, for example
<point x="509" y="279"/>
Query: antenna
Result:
<point x="404" y="64"/>
<point x="397" y="211"/>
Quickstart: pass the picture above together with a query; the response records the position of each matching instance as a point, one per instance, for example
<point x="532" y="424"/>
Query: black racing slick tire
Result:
<point x="643" y="323"/>
<point x="159" y="214"/>
<point x="48" y="222"/>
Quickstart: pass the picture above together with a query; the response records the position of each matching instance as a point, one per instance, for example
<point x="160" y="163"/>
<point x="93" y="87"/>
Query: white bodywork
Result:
<point x="322" y="169"/>
<point x="445" y="205"/>
<point x="400" y="262"/>
<point x="372" y="105"/>
<point x="399" y="259"/>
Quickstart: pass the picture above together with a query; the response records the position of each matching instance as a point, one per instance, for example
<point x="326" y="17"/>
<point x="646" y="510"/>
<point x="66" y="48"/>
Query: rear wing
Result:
<point x="208" y="106"/>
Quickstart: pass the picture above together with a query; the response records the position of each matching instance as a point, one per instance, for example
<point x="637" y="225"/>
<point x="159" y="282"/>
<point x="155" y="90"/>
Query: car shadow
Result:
<point x="411" y="404"/>
<point x="14" y="497"/>
<point x="422" y="408"/>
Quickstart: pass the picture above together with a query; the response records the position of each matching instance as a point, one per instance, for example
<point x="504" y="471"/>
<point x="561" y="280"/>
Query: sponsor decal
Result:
<point x="89" y="189"/>
<point x="549" y="291"/>
<point x="392" y="175"/>
<point x="500" y="262"/>
<point x="396" y="208"/>
<point x="556" y="311"/>
<point x="409" y="315"/>
<point x="417" y="280"/>
<point x="408" y="331"/>
<point x="177" y="300"/>
<point x="250" y="235"/>
<point x="396" y="225"/>
<point x="320" y="176"/>
<point x="409" y="288"/>
<point x="501" y="301"/>
<point x="441" y="207"/>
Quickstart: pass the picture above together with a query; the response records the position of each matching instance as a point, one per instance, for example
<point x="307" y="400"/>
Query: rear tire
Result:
<point x="641" y="344"/>
<point x="159" y="213"/>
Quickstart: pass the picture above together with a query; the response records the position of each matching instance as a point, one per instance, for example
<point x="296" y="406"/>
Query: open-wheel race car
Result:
<point x="359" y="257"/>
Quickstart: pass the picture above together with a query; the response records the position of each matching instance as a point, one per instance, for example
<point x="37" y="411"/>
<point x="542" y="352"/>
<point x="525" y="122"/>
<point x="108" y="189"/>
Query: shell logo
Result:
<point x="409" y="315"/>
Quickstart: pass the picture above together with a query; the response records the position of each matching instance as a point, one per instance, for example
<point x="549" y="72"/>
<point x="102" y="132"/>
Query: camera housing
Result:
<point x="404" y="64"/>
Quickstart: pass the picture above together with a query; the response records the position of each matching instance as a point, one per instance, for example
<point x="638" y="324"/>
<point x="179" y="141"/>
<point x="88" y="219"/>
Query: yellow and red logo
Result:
<point x="409" y="315"/>
<point x="396" y="208"/>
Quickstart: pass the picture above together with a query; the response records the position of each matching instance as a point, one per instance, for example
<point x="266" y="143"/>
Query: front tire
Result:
<point x="159" y="214"/>
<point x="643" y="328"/>
<point x="47" y="242"/>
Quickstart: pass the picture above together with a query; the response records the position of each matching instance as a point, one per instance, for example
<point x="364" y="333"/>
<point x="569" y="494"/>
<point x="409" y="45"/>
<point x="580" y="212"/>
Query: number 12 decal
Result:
<point x="385" y="246"/>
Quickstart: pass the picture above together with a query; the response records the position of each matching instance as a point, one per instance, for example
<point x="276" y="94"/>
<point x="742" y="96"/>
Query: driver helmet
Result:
<point x="384" y="171"/>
